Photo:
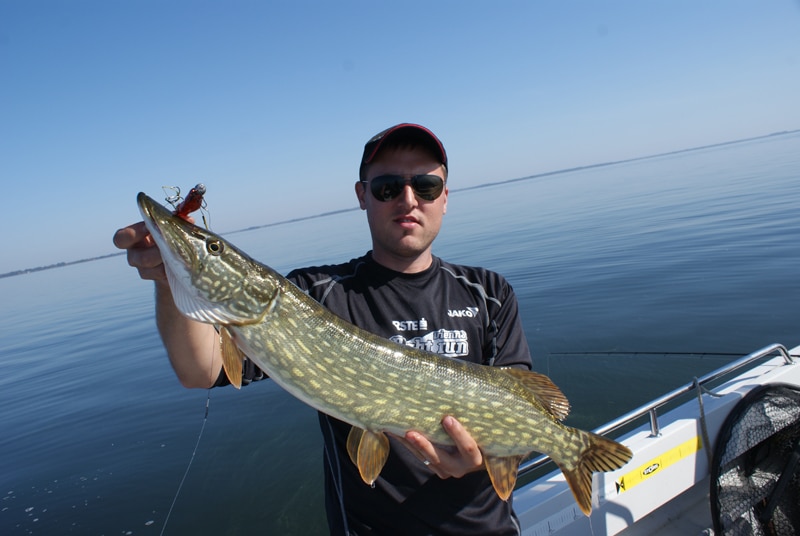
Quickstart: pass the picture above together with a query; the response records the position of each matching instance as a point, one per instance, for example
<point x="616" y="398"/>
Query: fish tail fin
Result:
<point x="598" y="454"/>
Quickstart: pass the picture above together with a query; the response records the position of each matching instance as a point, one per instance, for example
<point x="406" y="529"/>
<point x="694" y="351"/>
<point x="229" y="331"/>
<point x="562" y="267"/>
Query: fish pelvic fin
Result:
<point x="598" y="454"/>
<point x="368" y="451"/>
<point x="544" y="391"/>
<point x="232" y="358"/>
<point x="503" y="473"/>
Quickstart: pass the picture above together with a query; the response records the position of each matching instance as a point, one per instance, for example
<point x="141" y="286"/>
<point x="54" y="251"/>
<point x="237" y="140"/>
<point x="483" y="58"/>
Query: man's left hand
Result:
<point x="447" y="461"/>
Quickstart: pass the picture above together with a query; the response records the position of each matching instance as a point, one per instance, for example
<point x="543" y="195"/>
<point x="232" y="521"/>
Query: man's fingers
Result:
<point x="446" y="461"/>
<point x="155" y="273"/>
<point x="411" y="441"/>
<point x="132" y="236"/>
<point x="149" y="263"/>
<point x="465" y="443"/>
<point x="425" y="448"/>
<point x="142" y="253"/>
<point x="146" y="257"/>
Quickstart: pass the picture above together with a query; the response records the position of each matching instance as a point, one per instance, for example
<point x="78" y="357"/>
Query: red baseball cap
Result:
<point x="411" y="132"/>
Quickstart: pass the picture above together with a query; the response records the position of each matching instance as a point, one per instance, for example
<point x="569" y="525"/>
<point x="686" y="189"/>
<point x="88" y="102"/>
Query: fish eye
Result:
<point x="214" y="247"/>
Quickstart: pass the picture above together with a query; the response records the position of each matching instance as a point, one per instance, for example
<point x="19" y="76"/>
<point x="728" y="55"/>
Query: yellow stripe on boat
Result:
<point x="658" y="464"/>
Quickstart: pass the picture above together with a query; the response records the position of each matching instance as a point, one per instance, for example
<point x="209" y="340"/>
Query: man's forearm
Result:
<point x="193" y="347"/>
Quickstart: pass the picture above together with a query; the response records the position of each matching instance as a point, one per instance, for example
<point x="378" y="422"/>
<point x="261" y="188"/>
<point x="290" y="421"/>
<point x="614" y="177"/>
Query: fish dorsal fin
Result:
<point x="544" y="391"/>
<point x="502" y="473"/>
<point x="368" y="450"/>
<point x="232" y="358"/>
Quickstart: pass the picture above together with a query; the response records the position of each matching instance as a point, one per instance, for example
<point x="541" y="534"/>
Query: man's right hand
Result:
<point x="143" y="254"/>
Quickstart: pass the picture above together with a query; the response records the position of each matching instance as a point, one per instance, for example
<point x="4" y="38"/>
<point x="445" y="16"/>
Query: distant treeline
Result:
<point x="58" y="265"/>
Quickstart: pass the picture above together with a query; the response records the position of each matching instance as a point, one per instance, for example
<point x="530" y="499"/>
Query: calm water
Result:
<point x="688" y="253"/>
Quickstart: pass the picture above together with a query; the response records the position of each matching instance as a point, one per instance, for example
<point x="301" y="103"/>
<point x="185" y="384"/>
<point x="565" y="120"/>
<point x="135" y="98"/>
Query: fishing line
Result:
<point x="191" y="458"/>
<point x="183" y="208"/>
<point x="189" y="466"/>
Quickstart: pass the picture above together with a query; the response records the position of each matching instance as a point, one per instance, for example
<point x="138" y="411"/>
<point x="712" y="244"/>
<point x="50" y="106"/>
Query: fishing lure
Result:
<point x="193" y="201"/>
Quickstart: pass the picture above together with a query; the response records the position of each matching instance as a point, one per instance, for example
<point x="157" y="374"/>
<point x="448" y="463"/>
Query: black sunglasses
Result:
<point x="387" y="187"/>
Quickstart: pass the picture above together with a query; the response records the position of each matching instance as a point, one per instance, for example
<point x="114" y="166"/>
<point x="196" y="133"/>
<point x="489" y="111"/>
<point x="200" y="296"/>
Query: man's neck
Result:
<point x="405" y="265"/>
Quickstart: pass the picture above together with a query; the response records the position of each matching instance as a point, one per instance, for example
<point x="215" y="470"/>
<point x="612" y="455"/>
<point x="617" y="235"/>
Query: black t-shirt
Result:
<point x="459" y="311"/>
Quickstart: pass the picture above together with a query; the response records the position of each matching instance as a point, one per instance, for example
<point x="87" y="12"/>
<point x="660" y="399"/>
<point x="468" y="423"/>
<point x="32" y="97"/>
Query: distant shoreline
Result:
<point x="624" y="161"/>
<point x="475" y="187"/>
<point x="58" y="265"/>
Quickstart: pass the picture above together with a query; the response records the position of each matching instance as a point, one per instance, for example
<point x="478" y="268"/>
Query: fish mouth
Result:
<point x="147" y="208"/>
<point x="170" y="232"/>
<point x="146" y="204"/>
<point x="153" y="215"/>
<point x="183" y="251"/>
<point x="174" y="250"/>
<point x="174" y="238"/>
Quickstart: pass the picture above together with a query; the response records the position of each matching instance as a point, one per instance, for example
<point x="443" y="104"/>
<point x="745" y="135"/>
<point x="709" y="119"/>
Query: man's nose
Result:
<point x="408" y="196"/>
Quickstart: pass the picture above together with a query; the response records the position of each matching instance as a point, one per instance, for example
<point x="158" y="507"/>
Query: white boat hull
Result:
<point x="666" y="481"/>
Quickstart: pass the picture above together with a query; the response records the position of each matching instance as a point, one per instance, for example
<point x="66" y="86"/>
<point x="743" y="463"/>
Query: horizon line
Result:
<point x="454" y="190"/>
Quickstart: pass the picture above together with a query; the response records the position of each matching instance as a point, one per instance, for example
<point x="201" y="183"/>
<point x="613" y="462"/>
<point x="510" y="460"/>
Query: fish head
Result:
<point x="211" y="280"/>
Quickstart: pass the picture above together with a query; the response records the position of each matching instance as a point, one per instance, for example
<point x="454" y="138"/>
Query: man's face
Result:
<point x="403" y="228"/>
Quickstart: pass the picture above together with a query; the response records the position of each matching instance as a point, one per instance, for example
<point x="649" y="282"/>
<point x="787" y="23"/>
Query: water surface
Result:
<point x="681" y="254"/>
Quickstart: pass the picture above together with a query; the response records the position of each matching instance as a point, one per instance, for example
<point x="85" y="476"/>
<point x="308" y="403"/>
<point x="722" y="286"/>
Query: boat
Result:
<point x="686" y="460"/>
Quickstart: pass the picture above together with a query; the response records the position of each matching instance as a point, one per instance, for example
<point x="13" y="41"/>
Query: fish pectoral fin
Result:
<point x="544" y="391"/>
<point x="503" y="473"/>
<point x="353" y="440"/>
<point x="232" y="358"/>
<point x="368" y="451"/>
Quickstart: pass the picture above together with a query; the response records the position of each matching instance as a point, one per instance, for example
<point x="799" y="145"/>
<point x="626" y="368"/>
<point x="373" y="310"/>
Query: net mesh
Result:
<point x="755" y="477"/>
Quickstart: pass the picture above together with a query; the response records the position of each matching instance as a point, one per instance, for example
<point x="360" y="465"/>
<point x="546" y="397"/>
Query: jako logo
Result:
<point x="469" y="312"/>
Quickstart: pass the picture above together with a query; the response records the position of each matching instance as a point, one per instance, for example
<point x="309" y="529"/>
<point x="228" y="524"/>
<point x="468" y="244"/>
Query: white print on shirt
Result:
<point x="410" y="325"/>
<point x="469" y="312"/>
<point x="447" y="342"/>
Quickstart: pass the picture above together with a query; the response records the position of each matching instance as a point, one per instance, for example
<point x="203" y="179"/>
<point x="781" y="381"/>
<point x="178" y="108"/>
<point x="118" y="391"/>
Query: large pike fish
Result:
<point x="373" y="384"/>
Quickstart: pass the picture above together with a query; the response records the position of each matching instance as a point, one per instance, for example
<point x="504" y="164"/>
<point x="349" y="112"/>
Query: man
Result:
<point x="401" y="291"/>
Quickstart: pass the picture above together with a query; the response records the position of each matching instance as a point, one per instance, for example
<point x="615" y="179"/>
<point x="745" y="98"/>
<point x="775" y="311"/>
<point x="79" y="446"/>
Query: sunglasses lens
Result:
<point x="387" y="187"/>
<point x="428" y="187"/>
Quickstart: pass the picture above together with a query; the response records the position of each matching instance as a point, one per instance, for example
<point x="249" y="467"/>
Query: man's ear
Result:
<point x="361" y="190"/>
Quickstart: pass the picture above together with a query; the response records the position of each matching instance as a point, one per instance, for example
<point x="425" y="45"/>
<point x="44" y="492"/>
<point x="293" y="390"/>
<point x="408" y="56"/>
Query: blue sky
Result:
<point x="269" y="103"/>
